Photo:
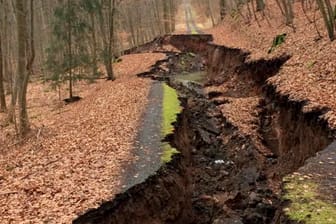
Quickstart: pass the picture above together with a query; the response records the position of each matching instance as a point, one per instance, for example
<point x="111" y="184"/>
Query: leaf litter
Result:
<point x="310" y="74"/>
<point x="75" y="154"/>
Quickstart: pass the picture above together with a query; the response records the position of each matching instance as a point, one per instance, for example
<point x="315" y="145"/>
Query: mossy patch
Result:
<point x="305" y="203"/>
<point x="170" y="108"/>
<point x="168" y="152"/>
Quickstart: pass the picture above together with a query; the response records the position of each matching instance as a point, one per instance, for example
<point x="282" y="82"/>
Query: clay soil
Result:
<point x="73" y="158"/>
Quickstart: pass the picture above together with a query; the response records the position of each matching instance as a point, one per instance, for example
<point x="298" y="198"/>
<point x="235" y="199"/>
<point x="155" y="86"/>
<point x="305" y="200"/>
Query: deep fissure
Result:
<point x="221" y="175"/>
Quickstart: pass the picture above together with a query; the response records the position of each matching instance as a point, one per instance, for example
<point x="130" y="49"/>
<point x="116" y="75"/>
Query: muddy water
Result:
<point x="197" y="77"/>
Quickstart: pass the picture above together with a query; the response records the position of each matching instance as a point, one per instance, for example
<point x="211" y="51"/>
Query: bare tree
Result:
<point x="223" y="8"/>
<point x="3" y="107"/>
<point x="286" y="8"/>
<point x="108" y="31"/>
<point x="328" y="15"/>
<point x="26" y="55"/>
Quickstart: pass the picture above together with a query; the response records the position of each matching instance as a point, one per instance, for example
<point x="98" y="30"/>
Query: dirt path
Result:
<point x="186" y="19"/>
<point x="189" y="18"/>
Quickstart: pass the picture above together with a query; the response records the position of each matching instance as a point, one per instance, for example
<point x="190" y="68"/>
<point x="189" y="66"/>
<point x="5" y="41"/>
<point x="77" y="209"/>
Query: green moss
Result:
<point x="306" y="205"/>
<point x="168" y="152"/>
<point x="170" y="108"/>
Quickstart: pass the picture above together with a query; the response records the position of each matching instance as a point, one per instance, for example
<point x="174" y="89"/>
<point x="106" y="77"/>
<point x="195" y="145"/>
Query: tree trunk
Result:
<point x="211" y="13"/>
<point x="288" y="11"/>
<point x="280" y="6"/>
<point x="3" y="107"/>
<point x="223" y="7"/>
<point x="70" y="51"/>
<point x="329" y="22"/>
<point x="108" y="64"/>
<point x="23" y="68"/>
<point x="94" y="45"/>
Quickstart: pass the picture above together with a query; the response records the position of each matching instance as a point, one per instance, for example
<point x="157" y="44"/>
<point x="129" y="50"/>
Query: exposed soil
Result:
<point x="265" y="137"/>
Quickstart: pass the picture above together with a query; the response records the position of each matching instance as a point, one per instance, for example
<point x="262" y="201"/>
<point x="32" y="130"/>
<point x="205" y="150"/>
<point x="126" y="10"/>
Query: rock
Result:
<point x="219" y="161"/>
<point x="224" y="173"/>
<point x="206" y="137"/>
<point x="211" y="126"/>
<point x="254" y="198"/>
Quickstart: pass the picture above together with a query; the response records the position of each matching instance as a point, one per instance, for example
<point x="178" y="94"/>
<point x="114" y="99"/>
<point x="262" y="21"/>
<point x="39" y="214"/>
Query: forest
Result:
<point x="66" y="40"/>
<point x="167" y="111"/>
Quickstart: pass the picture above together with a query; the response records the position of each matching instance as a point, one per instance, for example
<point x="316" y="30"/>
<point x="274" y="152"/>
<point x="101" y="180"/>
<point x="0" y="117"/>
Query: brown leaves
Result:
<point x="309" y="75"/>
<point x="76" y="161"/>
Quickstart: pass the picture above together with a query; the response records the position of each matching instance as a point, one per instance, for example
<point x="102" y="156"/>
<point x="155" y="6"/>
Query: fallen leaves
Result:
<point x="309" y="75"/>
<point x="76" y="161"/>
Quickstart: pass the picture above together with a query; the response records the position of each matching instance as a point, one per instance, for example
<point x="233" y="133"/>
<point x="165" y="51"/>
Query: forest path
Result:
<point x="192" y="28"/>
<point x="147" y="147"/>
<point x="186" y="19"/>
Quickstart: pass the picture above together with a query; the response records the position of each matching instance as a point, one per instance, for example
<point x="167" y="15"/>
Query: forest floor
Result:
<point x="310" y="74"/>
<point x="75" y="154"/>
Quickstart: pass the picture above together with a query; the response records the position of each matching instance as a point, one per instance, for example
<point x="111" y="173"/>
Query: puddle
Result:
<point x="196" y="77"/>
<point x="190" y="81"/>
